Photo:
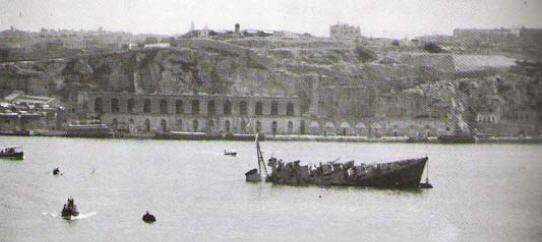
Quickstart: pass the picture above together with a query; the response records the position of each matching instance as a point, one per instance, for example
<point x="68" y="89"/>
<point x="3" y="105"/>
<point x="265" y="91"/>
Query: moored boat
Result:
<point x="148" y="217"/>
<point x="12" y="152"/>
<point x="396" y="174"/>
<point x="457" y="139"/>
<point x="90" y="129"/>
<point x="230" y="153"/>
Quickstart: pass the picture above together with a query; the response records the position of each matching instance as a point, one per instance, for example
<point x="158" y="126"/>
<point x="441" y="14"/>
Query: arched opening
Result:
<point x="195" y="125"/>
<point x="179" y="124"/>
<point x="210" y="125"/>
<point x="290" y="127"/>
<point x="147" y="106"/>
<point x="258" y="126"/>
<point x="243" y="108"/>
<point x="163" y="106"/>
<point x="114" y="124"/>
<point x="147" y="125"/>
<point x="130" y="107"/>
<point x="302" y="127"/>
<point x="227" y="126"/>
<point x="227" y="107"/>
<point x="179" y="108"/>
<point x="195" y="106"/>
<point x="290" y="109"/>
<point x="274" y="127"/>
<point x="163" y="125"/>
<point x="98" y="108"/>
<point x="243" y="126"/>
<point x="274" y="108"/>
<point x="258" y="110"/>
<point x="115" y="108"/>
<point x="211" y="109"/>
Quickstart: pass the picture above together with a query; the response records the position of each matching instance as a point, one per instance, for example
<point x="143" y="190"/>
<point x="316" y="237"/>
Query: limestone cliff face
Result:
<point x="145" y="71"/>
<point x="313" y="71"/>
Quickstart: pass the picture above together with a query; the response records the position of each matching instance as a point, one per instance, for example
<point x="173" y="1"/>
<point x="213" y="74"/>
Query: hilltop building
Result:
<point x="344" y="32"/>
<point x="523" y="36"/>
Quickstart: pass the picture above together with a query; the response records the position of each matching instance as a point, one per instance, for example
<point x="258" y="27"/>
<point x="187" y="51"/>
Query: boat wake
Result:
<point x="84" y="215"/>
<point x="81" y="215"/>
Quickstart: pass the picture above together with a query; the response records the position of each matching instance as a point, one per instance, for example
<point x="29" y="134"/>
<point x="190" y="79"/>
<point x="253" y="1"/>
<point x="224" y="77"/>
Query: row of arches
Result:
<point x="194" y="107"/>
<point x="196" y="125"/>
<point x="378" y="129"/>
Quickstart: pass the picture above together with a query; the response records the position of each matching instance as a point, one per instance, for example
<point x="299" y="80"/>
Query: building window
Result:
<point x="163" y="106"/>
<point x="98" y="108"/>
<point x="290" y="109"/>
<point x="179" y="124"/>
<point x="243" y="108"/>
<point x="227" y="107"/>
<point x="258" y="108"/>
<point x="290" y="127"/>
<point x="274" y="127"/>
<point x="179" y="108"/>
<point x="130" y="106"/>
<point x="227" y="126"/>
<point x="195" y="125"/>
<point x="211" y="109"/>
<point x="115" y="105"/>
<point x="195" y="106"/>
<point x="274" y="108"/>
<point x="147" y="106"/>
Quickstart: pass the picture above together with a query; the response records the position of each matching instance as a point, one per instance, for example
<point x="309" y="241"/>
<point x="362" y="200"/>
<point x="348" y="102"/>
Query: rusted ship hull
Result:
<point x="15" y="155"/>
<point x="398" y="174"/>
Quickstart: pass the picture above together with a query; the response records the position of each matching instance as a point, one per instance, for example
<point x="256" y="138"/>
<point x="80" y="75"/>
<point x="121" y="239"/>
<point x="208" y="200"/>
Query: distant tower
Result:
<point x="205" y="31"/>
<point x="237" y="27"/>
<point x="192" y="27"/>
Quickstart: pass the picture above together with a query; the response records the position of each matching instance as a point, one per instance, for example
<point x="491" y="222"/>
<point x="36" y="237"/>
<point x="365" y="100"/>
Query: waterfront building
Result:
<point x="210" y="113"/>
<point x="21" y="113"/>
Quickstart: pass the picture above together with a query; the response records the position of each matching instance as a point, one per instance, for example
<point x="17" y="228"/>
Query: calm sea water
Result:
<point x="482" y="193"/>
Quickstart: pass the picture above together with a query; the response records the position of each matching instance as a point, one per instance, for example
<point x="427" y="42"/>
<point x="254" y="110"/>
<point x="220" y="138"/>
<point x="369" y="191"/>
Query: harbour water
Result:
<point x="483" y="192"/>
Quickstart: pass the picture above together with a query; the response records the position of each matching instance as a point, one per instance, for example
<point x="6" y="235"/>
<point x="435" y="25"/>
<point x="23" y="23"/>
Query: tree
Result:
<point x="151" y="40"/>
<point x="365" y="54"/>
<point x="432" y="48"/>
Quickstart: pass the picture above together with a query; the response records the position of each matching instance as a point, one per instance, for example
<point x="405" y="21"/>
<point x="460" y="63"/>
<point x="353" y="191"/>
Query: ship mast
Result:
<point x="261" y="162"/>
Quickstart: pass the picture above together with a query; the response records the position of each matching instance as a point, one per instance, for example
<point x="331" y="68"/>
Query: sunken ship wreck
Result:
<point x="397" y="174"/>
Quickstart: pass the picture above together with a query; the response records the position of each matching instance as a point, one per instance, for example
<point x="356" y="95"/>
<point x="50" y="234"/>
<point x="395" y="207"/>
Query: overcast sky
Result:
<point x="377" y="18"/>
